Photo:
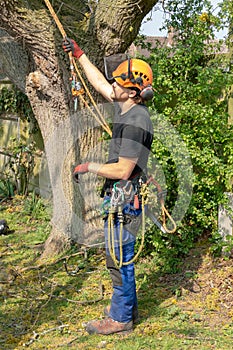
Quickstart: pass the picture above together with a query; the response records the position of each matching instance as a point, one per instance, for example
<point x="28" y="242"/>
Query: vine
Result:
<point x="12" y="100"/>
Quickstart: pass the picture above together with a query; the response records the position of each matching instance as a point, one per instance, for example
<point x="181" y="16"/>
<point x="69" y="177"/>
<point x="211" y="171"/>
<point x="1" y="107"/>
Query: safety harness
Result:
<point x="137" y="193"/>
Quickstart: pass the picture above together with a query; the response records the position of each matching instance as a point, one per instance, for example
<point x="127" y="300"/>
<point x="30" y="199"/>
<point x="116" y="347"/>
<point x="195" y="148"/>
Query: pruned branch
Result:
<point x="36" y="335"/>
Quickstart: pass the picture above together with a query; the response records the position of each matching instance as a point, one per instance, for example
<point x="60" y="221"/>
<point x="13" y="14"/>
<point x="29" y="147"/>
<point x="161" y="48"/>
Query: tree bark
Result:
<point x="32" y="58"/>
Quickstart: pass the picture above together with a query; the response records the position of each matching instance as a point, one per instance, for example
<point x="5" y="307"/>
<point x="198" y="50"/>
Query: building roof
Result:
<point x="168" y="41"/>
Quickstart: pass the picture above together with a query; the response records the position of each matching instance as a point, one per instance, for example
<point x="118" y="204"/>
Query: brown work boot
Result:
<point x="108" y="326"/>
<point x="135" y="313"/>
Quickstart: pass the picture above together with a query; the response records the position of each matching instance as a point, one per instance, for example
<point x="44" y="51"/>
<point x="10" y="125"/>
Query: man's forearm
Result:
<point x="95" y="77"/>
<point x="119" y="170"/>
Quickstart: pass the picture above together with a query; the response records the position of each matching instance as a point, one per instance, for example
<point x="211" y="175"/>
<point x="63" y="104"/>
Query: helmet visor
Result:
<point x="112" y="62"/>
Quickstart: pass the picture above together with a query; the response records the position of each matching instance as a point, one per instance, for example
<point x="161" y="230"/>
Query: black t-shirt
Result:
<point x="132" y="136"/>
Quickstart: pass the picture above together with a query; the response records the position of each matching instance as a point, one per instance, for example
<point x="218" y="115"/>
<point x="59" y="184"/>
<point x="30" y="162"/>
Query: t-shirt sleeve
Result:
<point x="132" y="141"/>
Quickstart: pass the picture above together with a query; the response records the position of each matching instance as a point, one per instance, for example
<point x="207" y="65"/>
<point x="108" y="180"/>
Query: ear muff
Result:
<point x="147" y="93"/>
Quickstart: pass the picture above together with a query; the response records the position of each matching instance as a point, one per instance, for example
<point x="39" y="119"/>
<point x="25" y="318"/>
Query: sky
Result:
<point x="151" y="27"/>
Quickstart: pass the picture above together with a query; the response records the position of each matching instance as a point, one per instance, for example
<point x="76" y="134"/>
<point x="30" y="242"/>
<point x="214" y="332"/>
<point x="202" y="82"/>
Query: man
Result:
<point x="128" y="154"/>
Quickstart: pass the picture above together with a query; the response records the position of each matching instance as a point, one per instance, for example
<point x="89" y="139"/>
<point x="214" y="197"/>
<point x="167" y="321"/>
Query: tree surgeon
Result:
<point x="129" y="149"/>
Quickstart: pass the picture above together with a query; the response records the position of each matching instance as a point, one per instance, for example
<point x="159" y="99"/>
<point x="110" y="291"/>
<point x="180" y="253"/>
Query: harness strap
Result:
<point x="116" y="202"/>
<point x="111" y="246"/>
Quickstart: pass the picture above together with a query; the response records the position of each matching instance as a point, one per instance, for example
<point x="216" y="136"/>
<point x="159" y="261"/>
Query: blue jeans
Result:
<point x="124" y="297"/>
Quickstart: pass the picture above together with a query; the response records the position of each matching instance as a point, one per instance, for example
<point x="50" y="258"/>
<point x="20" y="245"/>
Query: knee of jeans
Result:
<point x="115" y="273"/>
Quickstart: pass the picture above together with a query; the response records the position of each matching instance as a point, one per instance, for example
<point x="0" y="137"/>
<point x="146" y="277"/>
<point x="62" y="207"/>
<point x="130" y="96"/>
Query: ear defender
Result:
<point x="147" y="93"/>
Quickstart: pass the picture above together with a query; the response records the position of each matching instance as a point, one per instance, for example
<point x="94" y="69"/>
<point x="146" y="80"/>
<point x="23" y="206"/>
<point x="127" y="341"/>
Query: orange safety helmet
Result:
<point x="133" y="73"/>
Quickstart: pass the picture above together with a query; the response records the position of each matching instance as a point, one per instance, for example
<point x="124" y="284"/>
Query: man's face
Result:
<point x="119" y="93"/>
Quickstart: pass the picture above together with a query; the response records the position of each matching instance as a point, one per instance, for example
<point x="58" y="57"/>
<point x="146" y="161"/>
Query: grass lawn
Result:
<point x="44" y="307"/>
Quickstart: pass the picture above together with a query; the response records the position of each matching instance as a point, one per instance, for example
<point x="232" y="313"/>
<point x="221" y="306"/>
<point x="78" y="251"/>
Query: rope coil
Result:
<point x="111" y="239"/>
<point x="164" y="210"/>
<point x="118" y="198"/>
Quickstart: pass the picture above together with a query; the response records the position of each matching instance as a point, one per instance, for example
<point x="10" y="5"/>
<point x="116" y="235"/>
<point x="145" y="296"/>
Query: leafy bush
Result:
<point x="6" y="187"/>
<point x="192" y="81"/>
<point x="12" y="100"/>
<point x="36" y="207"/>
<point x="15" y="179"/>
<point x="19" y="153"/>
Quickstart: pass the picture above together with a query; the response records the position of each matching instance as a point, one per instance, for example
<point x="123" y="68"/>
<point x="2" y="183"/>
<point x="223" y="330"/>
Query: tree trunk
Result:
<point x="32" y="58"/>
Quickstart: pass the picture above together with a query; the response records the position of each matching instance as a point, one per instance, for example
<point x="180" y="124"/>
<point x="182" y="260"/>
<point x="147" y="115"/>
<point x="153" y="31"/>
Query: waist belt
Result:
<point x="135" y="180"/>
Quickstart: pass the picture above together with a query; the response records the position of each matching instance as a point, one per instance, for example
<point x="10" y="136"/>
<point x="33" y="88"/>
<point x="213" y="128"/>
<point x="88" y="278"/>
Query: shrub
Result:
<point x="192" y="84"/>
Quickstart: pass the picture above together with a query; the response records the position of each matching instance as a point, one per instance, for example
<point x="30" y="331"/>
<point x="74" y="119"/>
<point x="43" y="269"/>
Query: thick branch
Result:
<point x="117" y="23"/>
<point x="13" y="60"/>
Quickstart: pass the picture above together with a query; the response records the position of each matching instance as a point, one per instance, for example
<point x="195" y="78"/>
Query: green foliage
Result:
<point x="193" y="82"/>
<point x="19" y="167"/>
<point x="12" y="100"/>
<point x="35" y="207"/>
<point x="6" y="187"/>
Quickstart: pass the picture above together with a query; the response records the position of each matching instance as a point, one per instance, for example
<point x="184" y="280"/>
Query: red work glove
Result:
<point x="80" y="169"/>
<point x="69" y="45"/>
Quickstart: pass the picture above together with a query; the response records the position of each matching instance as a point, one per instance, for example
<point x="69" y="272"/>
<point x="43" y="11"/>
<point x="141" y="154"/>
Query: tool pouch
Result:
<point x="132" y="219"/>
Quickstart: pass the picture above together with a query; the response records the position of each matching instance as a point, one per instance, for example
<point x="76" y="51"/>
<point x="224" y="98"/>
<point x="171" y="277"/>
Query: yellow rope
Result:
<point x="100" y="119"/>
<point x="111" y="240"/>
<point x="163" y="208"/>
<point x="56" y="19"/>
<point x="119" y="263"/>
<point x="164" y="213"/>
<point x="144" y="195"/>
<point x="104" y="126"/>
